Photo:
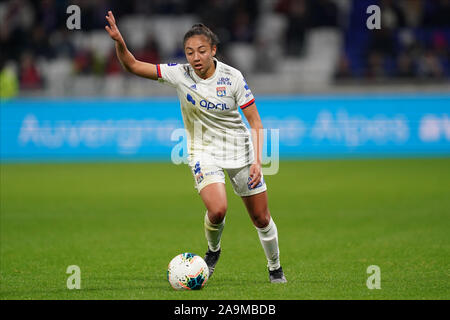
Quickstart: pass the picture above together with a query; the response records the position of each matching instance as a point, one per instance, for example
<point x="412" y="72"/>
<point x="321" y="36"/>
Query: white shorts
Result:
<point x="239" y="177"/>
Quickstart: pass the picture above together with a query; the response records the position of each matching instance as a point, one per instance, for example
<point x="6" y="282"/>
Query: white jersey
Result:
<point x="214" y="127"/>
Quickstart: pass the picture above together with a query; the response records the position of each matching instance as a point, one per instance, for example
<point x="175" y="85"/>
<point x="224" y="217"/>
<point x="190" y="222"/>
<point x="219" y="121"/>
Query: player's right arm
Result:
<point x="126" y="58"/>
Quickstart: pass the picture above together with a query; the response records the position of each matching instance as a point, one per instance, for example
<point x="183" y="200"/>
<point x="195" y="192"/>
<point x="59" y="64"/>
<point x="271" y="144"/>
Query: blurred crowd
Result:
<point x="412" y="43"/>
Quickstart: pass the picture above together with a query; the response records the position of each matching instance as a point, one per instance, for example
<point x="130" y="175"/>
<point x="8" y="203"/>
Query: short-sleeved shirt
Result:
<point x="214" y="127"/>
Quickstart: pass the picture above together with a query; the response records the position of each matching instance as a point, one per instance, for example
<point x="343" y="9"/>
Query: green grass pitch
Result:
<point x="121" y="223"/>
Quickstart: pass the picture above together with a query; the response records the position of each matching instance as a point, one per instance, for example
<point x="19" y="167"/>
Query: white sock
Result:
<point x="213" y="233"/>
<point x="269" y="241"/>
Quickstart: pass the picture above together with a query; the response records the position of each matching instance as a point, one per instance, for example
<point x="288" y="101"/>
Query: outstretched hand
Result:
<point x="126" y="58"/>
<point x="112" y="28"/>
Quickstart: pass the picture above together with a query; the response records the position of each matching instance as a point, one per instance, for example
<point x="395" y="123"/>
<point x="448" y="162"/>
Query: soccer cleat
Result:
<point x="211" y="259"/>
<point x="277" y="276"/>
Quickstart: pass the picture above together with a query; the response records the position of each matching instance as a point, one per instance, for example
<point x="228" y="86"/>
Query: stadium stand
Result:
<point x="302" y="45"/>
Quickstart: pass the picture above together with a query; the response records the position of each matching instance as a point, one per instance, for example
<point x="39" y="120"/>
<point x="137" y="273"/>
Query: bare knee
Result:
<point x="217" y="213"/>
<point x="261" y="219"/>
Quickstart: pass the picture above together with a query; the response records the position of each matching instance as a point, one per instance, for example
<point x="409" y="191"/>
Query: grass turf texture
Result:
<point x="123" y="223"/>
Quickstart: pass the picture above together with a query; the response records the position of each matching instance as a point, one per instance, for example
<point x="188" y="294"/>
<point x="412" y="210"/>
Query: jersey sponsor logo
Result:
<point x="224" y="81"/>
<point x="190" y="99"/>
<point x="172" y="64"/>
<point x="209" y="105"/>
<point x="221" y="91"/>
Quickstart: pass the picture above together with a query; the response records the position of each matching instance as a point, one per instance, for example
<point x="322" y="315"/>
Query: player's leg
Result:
<point x="255" y="200"/>
<point x="215" y="200"/>
<point x="210" y="184"/>
<point x="258" y="210"/>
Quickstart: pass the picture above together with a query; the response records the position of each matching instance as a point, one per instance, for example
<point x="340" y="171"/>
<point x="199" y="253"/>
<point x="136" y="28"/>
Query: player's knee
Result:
<point x="261" y="219"/>
<point x="217" y="214"/>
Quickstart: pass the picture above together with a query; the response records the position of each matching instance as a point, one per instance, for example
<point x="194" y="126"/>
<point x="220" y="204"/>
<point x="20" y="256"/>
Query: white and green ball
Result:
<point x="187" y="271"/>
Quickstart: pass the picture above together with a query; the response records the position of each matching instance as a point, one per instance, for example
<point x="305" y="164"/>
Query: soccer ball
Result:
<point x="187" y="271"/>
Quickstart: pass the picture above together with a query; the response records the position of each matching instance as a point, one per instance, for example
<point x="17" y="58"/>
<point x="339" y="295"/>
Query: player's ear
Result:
<point x="213" y="50"/>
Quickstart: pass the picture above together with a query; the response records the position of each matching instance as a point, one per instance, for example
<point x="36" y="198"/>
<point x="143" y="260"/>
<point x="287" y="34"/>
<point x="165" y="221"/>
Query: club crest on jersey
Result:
<point x="221" y="91"/>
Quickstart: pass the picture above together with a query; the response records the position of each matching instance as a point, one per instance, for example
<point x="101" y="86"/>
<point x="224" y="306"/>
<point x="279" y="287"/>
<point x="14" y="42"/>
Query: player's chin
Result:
<point x="202" y="71"/>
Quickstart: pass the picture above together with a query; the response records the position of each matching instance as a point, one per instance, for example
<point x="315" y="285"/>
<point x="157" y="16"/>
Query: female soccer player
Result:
<point x="210" y="93"/>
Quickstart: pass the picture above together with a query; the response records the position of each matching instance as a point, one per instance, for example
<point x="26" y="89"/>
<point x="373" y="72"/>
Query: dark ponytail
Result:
<point x="201" y="29"/>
